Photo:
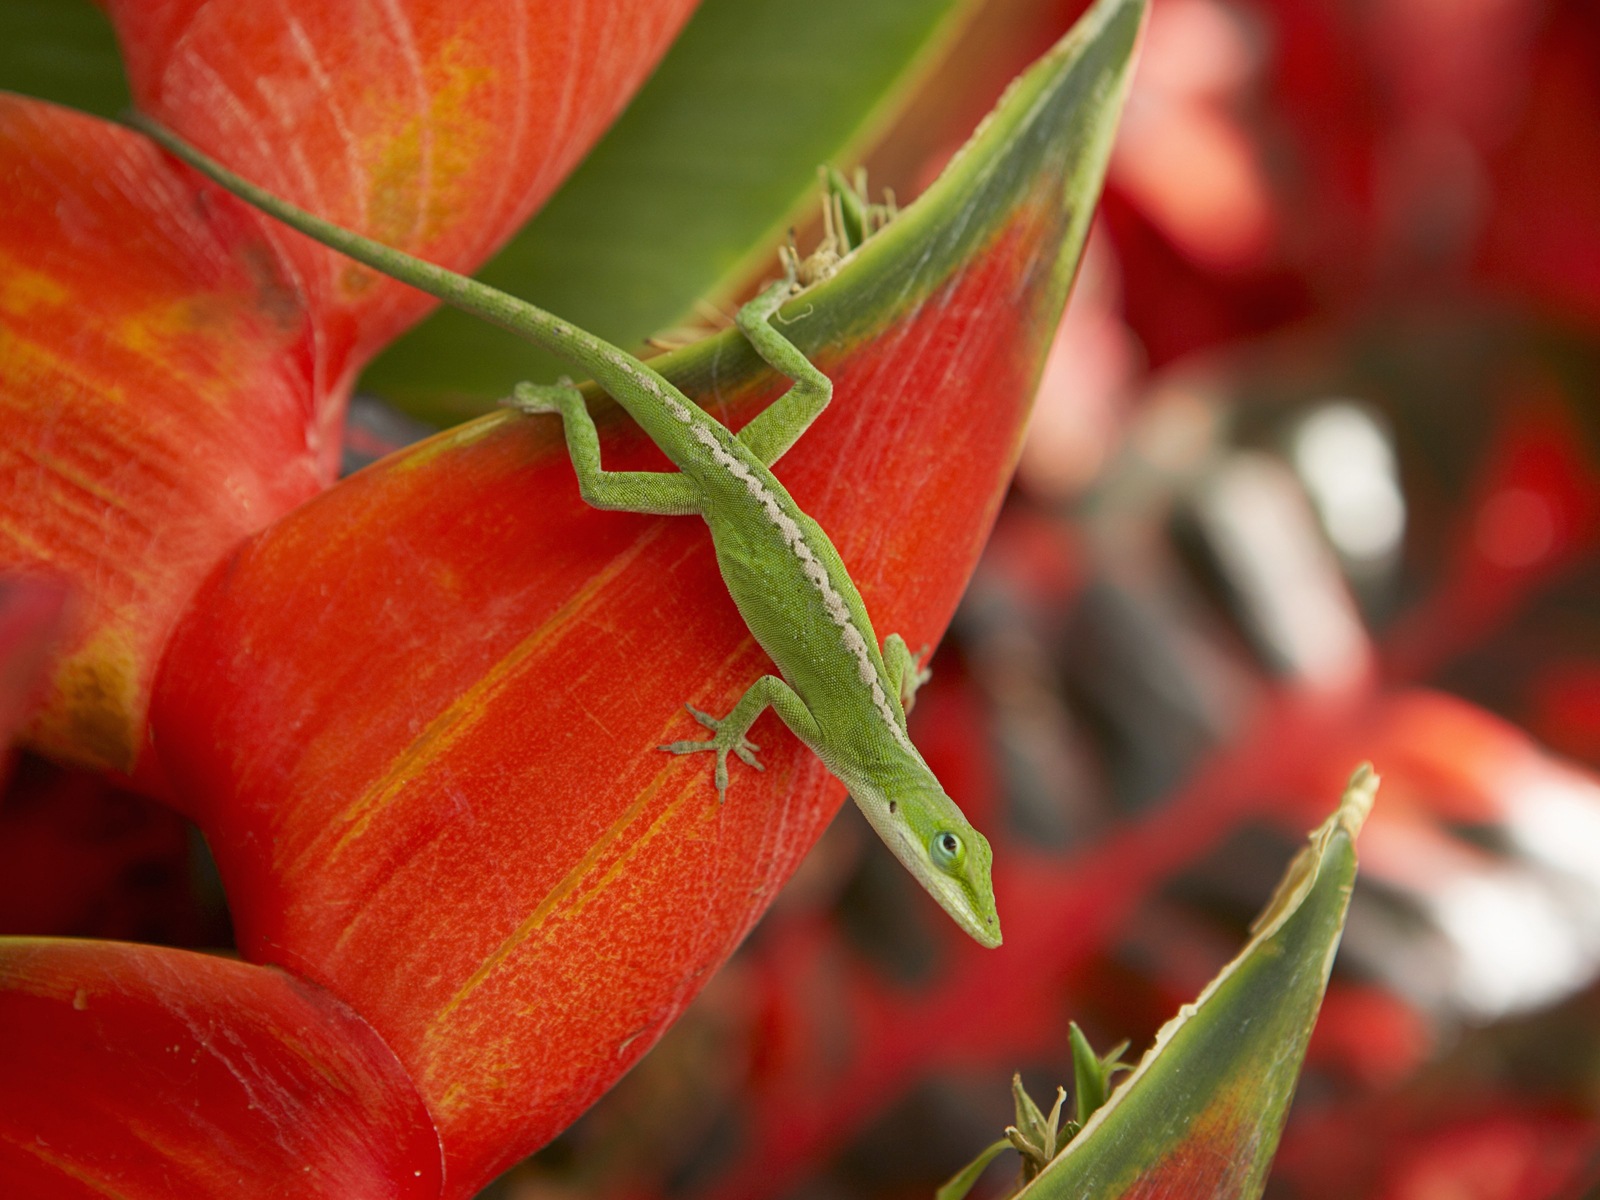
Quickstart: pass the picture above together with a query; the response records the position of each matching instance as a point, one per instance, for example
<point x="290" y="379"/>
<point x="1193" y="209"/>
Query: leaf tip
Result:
<point x="1356" y="804"/>
<point x="1348" y="818"/>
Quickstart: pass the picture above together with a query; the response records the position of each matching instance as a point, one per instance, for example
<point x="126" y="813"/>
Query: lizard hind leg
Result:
<point x="554" y="397"/>
<point x="904" y="672"/>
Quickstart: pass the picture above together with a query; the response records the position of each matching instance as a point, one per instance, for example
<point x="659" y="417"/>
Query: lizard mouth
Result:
<point x="963" y="891"/>
<point x="952" y="892"/>
<point x="952" y="898"/>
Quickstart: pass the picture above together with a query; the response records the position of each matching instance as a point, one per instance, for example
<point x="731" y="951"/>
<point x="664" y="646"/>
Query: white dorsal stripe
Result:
<point x="838" y="611"/>
<point x="646" y="380"/>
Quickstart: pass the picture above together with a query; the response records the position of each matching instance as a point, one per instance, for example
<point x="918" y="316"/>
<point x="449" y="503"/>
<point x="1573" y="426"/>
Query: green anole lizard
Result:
<point x="839" y="694"/>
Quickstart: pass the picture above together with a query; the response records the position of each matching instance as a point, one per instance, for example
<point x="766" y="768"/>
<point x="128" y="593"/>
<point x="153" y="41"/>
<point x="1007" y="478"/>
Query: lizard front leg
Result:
<point x="670" y="494"/>
<point x="729" y="731"/>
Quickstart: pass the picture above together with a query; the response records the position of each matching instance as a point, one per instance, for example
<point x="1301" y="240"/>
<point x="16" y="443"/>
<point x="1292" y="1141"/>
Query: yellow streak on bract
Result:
<point x="195" y="1156"/>
<point x="454" y="438"/>
<point x="172" y="337"/>
<point x="18" y="540"/>
<point x="452" y="77"/>
<point x="97" y="708"/>
<point x="193" y="340"/>
<point x="553" y="898"/>
<point x="472" y="707"/>
<point x="567" y="889"/>
<point x="61" y="476"/>
<point x="151" y="331"/>
<point x="22" y="973"/>
<point x="22" y="290"/>
<point x="589" y="895"/>
<point x="451" y="1097"/>
<point x="71" y="1170"/>
<point x="32" y="375"/>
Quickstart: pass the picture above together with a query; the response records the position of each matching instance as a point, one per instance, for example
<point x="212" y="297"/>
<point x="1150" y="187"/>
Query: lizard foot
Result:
<point x="534" y="398"/>
<point x="723" y="743"/>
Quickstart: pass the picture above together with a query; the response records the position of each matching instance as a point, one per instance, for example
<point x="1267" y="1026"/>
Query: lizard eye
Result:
<point x="946" y="850"/>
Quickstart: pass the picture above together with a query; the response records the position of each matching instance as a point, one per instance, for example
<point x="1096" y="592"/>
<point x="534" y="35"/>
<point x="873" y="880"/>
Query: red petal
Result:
<point x="418" y="719"/>
<point x="31" y="612"/>
<point x="154" y="403"/>
<point x="142" y="1072"/>
<point x="163" y="393"/>
<point x="434" y="127"/>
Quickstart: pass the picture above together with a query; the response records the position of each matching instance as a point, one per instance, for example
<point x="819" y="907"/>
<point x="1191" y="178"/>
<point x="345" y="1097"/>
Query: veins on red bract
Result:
<point x="153" y="414"/>
<point x="141" y="1070"/>
<point x="435" y="129"/>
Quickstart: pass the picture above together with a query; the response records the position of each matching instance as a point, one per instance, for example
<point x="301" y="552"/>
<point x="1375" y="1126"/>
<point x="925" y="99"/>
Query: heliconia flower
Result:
<point x="416" y="712"/>
<point x="176" y="369"/>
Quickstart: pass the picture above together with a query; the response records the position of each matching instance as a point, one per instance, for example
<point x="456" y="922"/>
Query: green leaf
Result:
<point x="1091" y="1073"/>
<point x="1201" y="1114"/>
<point x="963" y="1180"/>
<point x="64" y="51"/>
<point x="1030" y="177"/>
<point x="693" y="185"/>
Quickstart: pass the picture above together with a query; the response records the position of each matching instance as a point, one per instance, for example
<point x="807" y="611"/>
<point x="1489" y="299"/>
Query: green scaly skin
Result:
<point x="839" y="694"/>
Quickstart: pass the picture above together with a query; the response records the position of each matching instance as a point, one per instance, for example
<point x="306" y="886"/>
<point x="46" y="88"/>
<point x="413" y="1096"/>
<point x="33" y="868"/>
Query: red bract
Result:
<point x="209" y="1078"/>
<point x="416" y="716"/>
<point x="456" y="819"/>
<point x="1534" y="512"/>
<point x="463" y="835"/>
<point x="31" y="613"/>
<point x="69" y="840"/>
<point x="1543" y="238"/>
<point x="175" y="369"/>
<point x="433" y="127"/>
<point x="153" y="404"/>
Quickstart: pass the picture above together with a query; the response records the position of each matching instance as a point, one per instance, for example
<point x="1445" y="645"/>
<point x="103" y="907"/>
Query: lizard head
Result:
<point x="938" y="845"/>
